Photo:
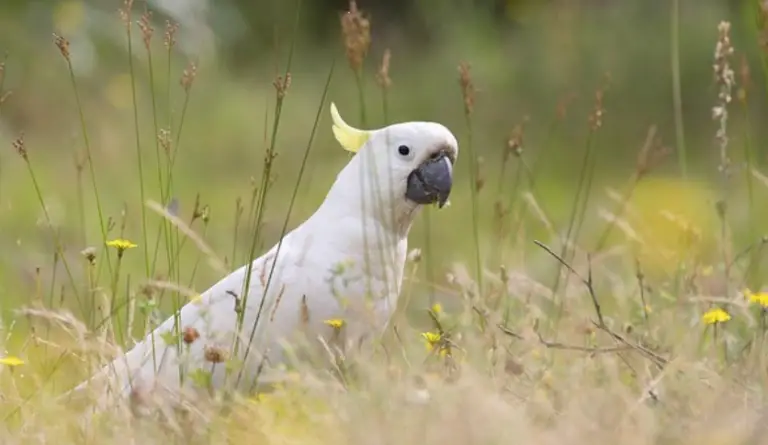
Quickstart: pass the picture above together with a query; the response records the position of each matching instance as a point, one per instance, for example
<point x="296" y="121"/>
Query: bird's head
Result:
<point x="402" y="166"/>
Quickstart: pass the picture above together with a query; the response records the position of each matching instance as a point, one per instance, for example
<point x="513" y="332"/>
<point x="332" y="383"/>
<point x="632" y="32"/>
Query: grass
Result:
<point x="563" y="314"/>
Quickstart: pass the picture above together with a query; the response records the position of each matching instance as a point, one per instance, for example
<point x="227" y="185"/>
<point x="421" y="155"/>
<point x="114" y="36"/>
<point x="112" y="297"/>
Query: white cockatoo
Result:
<point x="343" y="265"/>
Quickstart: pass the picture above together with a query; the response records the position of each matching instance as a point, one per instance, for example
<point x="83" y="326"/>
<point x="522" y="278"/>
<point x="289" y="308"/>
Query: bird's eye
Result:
<point x="404" y="150"/>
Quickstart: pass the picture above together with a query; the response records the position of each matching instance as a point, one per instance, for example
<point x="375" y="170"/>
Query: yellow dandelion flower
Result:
<point x="437" y="308"/>
<point x="11" y="361"/>
<point x="335" y="323"/>
<point x="715" y="315"/>
<point x="433" y="340"/>
<point x="121" y="244"/>
<point x="760" y="298"/>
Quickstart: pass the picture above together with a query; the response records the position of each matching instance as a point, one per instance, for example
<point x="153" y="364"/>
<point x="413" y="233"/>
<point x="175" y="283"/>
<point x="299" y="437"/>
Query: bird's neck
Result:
<point x="359" y="195"/>
<point x="359" y="221"/>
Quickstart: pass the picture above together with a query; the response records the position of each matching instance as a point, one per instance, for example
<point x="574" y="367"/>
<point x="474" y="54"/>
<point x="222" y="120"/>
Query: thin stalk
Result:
<point x="139" y="161"/>
<point x="361" y="97"/>
<point x="292" y="202"/>
<point x="572" y="220"/>
<point x="163" y="197"/>
<point x="753" y="267"/>
<point x="56" y="238"/>
<point x="91" y="168"/>
<point x="262" y="192"/>
<point x="472" y="165"/>
<point x="677" y="96"/>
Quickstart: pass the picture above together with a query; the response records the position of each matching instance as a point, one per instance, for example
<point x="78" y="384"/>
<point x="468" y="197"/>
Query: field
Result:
<point x="597" y="276"/>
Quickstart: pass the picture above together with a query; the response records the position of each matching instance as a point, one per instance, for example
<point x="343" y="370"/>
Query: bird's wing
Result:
<point x="211" y="321"/>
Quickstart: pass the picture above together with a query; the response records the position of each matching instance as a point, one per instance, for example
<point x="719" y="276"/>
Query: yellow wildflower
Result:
<point x="335" y="323"/>
<point x="715" y="315"/>
<point x="11" y="361"/>
<point x="434" y="339"/>
<point x="760" y="298"/>
<point x="121" y="244"/>
<point x="437" y="308"/>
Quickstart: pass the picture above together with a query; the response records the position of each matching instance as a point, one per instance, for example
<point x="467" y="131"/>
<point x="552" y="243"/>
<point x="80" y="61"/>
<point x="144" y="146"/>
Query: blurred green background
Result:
<point x="528" y="58"/>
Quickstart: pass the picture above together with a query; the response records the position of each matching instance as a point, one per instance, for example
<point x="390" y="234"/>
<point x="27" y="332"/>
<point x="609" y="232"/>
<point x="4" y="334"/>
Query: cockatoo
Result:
<point x="341" y="269"/>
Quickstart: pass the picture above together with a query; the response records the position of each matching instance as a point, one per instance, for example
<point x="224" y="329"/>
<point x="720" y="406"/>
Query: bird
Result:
<point x="342" y="268"/>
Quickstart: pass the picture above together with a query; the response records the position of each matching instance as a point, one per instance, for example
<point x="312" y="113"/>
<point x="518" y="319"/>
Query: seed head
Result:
<point x="515" y="141"/>
<point x="62" y="44"/>
<point x="356" y="30"/>
<point x="762" y="25"/>
<point x="189" y="335"/>
<point x="596" y="117"/>
<point x="125" y="13"/>
<point x="282" y="84"/>
<point x="382" y="77"/>
<point x="90" y="254"/>
<point x="467" y="88"/>
<point x="18" y="144"/>
<point x="188" y="77"/>
<point x="725" y="79"/>
<point x="170" y="33"/>
<point x="165" y="140"/>
<point x="214" y="354"/>
<point x="145" y="25"/>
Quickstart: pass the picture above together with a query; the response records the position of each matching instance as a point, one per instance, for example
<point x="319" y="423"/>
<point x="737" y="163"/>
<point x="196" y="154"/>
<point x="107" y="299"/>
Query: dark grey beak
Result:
<point x="431" y="182"/>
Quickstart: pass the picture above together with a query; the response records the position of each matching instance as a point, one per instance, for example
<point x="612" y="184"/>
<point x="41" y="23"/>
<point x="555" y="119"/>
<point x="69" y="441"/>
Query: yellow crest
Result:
<point x="352" y="139"/>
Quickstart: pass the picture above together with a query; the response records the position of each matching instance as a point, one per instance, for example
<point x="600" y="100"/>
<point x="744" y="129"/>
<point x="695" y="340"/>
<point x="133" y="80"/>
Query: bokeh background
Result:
<point x="537" y="62"/>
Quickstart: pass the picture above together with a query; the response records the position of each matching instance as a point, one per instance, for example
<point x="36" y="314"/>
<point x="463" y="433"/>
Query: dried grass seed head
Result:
<point x="125" y="13"/>
<point x="215" y="354"/>
<point x="356" y="30"/>
<point x="19" y="146"/>
<point x="596" y="117"/>
<point x="62" y="44"/>
<point x="725" y="79"/>
<point x="164" y="138"/>
<point x="90" y="254"/>
<point x="145" y="25"/>
<point x="189" y="335"/>
<point x="170" y="34"/>
<point x="467" y="88"/>
<point x="382" y="77"/>
<point x="282" y="84"/>
<point x="762" y="25"/>
<point x="188" y="76"/>
<point x="515" y="140"/>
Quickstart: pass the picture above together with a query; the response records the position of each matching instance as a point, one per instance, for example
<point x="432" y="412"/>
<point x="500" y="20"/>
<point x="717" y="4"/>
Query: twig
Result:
<point x="659" y="360"/>
<point x="600" y="324"/>
<point x="507" y="331"/>
<point x="641" y="284"/>
<point x="762" y="241"/>
<point x="587" y="281"/>
<point x="594" y="350"/>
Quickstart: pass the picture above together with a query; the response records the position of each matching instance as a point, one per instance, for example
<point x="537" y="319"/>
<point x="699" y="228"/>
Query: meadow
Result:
<point x="597" y="276"/>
